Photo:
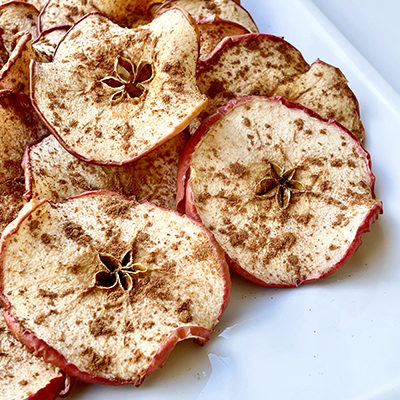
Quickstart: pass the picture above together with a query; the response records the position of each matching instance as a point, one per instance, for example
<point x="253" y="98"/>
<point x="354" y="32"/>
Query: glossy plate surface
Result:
<point x="335" y="339"/>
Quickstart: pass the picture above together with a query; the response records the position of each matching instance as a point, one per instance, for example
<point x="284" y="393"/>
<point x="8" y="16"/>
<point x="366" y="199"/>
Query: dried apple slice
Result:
<point x="213" y="30"/>
<point x="17" y="16"/>
<point x="137" y="87"/>
<point x="52" y="173"/>
<point x="325" y="89"/>
<point x="260" y="64"/>
<point x="24" y="376"/>
<point x="14" y="75"/>
<point x="225" y="9"/>
<point x="110" y="285"/>
<point x="19" y="126"/>
<point x="285" y="193"/>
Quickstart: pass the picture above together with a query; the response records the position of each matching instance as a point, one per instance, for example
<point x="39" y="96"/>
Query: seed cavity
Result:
<point x="129" y="79"/>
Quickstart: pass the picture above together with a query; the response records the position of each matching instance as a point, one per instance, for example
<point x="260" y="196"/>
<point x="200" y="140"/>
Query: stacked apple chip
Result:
<point x="265" y="65"/>
<point x="19" y="126"/>
<point x="24" y="376"/>
<point x="100" y="276"/>
<point x="18" y="26"/>
<point x="110" y="285"/>
<point x="53" y="173"/>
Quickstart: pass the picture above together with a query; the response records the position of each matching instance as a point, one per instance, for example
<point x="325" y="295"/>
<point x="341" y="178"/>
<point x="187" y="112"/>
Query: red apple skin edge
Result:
<point x="49" y="354"/>
<point x="185" y="201"/>
<point x="52" y="29"/>
<point x="26" y="166"/>
<point x="51" y="391"/>
<point x="39" y="23"/>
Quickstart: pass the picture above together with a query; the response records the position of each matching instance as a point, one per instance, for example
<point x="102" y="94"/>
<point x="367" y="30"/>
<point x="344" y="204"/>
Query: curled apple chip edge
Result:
<point x="52" y="173"/>
<point x="14" y="75"/>
<point x="46" y="43"/>
<point x="324" y="89"/>
<point x="225" y="9"/>
<point x="213" y="29"/>
<point x="299" y="206"/>
<point x="160" y="276"/>
<point x="267" y="65"/>
<point x="128" y="93"/>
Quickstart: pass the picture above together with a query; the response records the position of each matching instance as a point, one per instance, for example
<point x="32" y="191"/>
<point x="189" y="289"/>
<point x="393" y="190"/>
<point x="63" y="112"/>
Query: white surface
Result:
<point x="337" y="339"/>
<point x="374" y="28"/>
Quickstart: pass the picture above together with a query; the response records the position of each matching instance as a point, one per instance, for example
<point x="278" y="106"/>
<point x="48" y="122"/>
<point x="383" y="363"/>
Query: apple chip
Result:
<point x="52" y="173"/>
<point x="225" y="9"/>
<point x="17" y="16"/>
<point x="213" y="30"/>
<point x="110" y="285"/>
<point x="324" y="89"/>
<point x="286" y="194"/>
<point x="14" y="75"/>
<point x="19" y="126"/>
<point x="260" y="64"/>
<point x="137" y="87"/>
<point x="22" y="375"/>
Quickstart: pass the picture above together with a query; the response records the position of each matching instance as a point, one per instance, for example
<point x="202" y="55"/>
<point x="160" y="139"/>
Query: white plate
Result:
<point x="335" y="339"/>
